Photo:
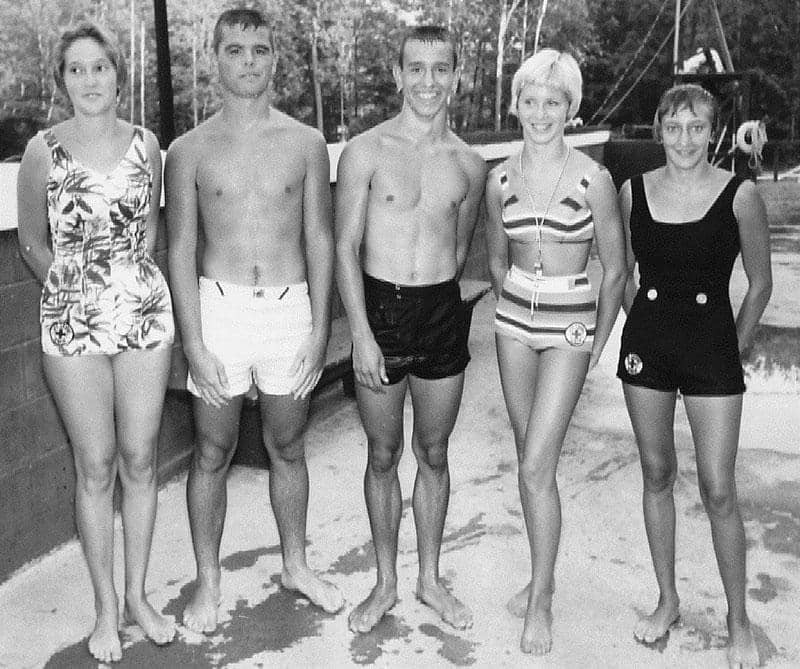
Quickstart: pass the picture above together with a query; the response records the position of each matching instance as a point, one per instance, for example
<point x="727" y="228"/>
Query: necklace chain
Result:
<point x="539" y="220"/>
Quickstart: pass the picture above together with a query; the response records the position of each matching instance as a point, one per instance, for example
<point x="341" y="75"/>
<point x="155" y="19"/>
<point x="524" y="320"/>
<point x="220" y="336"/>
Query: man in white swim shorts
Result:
<point x="255" y="332"/>
<point x="254" y="183"/>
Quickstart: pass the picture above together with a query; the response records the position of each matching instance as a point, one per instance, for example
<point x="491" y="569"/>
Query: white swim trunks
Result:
<point x="255" y="332"/>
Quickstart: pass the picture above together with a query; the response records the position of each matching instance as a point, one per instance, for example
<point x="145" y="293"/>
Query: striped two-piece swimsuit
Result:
<point x="547" y="311"/>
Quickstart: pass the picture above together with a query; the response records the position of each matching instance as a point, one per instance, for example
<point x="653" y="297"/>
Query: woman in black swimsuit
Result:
<point x="686" y="223"/>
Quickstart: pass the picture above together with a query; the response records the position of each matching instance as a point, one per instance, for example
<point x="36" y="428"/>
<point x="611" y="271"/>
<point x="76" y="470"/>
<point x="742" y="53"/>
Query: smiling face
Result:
<point x="686" y="134"/>
<point x="90" y="77"/>
<point x="245" y="60"/>
<point x="428" y="76"/>
<point x="542" y="111"/>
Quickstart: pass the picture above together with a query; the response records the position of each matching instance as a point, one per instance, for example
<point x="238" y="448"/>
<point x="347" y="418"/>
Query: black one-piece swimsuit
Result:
<point x="680" y="333"/>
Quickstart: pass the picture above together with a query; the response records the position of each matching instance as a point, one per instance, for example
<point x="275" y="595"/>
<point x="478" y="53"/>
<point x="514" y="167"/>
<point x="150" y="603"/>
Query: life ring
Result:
<point x="750" y="139"/>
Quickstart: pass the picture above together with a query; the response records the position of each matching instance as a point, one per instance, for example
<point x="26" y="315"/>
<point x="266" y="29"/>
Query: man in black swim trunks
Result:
<point x="407" y="199"/>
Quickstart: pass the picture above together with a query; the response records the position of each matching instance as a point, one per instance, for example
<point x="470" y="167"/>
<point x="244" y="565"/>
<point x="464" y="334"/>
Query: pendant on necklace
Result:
<point x="537" y="269"/>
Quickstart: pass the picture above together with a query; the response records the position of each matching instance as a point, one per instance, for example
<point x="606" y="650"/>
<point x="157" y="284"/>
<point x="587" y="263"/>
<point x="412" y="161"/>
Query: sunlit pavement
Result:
<point x="604" y="577"/>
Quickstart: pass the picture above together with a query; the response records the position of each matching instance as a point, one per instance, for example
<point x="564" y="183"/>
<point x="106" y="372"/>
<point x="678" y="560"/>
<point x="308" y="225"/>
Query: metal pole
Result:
<point x="726" y="54"/>
<point x="132" y="97"/>
<point x="167" y="113"/>
<point x="677" y="37"/>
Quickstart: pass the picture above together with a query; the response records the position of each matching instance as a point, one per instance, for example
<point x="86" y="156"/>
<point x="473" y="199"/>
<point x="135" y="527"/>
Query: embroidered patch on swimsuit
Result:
<point x="575" y="334"/>
<point x="633" y="364"/>
<point x="61" y="333"/>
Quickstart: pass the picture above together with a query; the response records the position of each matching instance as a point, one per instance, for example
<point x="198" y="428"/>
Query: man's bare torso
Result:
<point x="410" y="236"/>
<point x="250" y="202"/>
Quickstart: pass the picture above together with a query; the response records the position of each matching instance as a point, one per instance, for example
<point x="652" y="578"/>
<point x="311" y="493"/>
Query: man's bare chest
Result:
<point x="432" y="182"/>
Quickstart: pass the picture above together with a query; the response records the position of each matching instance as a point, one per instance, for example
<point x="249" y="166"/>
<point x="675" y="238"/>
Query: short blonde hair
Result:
<point x="551" y="68"/>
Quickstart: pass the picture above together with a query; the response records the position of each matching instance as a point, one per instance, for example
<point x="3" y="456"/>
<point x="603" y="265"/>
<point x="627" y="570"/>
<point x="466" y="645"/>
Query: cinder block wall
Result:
<point x="37" y="475"/>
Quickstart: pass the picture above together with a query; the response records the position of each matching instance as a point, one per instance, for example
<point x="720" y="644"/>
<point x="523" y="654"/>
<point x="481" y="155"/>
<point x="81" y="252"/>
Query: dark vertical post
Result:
<point x="167" y="113"/>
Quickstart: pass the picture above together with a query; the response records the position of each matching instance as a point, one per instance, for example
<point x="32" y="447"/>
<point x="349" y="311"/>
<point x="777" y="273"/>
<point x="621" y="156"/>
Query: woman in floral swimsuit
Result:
<point x="94" y="183"/>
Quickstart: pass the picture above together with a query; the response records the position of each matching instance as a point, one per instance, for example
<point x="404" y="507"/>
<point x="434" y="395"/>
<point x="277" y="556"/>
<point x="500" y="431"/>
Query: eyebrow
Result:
<point x="435" y="63"/>
<point x="78" y="61"/>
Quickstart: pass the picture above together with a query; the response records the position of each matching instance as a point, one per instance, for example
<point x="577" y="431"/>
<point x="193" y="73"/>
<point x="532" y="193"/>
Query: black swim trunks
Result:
<point x="421" y="330"/>
<point x="680" y="333"/>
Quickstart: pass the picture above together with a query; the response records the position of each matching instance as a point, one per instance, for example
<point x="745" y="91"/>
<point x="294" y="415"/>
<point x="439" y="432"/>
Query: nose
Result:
<point x="684" y="139"/>
<point x="428" y="76"/>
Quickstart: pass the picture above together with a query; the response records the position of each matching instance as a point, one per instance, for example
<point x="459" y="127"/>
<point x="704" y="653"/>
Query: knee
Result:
<point x="535" y="477"/>
<point x="658" y="475"/>
<point x="383" y="456"/>
<point x="432" y="454"/>
<point x="98" y="475"/>
<point x="719" y="498"/>
<point x="138" y="465"/>
<point x="212" y="454"/>
<point x="286" y="444"/>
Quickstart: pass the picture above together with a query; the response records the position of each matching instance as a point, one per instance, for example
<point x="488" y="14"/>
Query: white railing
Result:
<point x="8" y="171"/>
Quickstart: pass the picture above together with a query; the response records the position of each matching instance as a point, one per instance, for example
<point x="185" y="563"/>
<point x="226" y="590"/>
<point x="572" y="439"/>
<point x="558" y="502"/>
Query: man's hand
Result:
<point x="307" y="367"/>
<point x="368" y="364"/>
<point x="209" y="377"/>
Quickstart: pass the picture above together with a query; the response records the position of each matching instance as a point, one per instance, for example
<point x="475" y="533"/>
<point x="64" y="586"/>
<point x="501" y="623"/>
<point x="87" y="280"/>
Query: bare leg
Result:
<point x="436" y="405"/>
<point x="652" y="415"/>
<point x="382" y="418"/>
<point x="559" y="377"/>
<point x="284" y="420"/>
<point x="140" y="382"/>
<point x="217" y="430"/>
<point x="518" y="365"/>
<point x="83" y="389"/>
<point x="715" y="427"/>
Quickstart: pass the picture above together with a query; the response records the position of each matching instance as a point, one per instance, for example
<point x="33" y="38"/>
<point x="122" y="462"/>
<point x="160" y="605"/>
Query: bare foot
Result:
<point x="651" y="628"/>
<point x="322" y="593"/>
<point x="200" y="614"/>
<point x="537" y="636"/>
<point x="104" y="643"/>
<point x="441" y="600"/>
<point x="159" y="629"/>
<point x="742" y="650"/>
<point x="518" y="605"/>
<point x="369" y="612"/>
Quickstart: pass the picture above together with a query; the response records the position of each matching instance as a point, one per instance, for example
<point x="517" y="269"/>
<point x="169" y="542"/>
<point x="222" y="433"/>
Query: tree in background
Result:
<point x="335" y="56"/>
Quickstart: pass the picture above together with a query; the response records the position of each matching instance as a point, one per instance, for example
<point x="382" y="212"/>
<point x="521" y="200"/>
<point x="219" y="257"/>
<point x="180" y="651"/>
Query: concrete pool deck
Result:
<point x="604" y="575"/>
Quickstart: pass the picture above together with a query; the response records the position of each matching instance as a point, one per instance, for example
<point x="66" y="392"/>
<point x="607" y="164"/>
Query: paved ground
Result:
<point x="603" y="573"/>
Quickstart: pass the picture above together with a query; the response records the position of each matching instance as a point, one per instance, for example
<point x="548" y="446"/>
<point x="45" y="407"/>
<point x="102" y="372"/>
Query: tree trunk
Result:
<point x="141" y="75"/>
<point x="132" y="61"/>
<point x="315" y="76"/>
<point x="505" y="17"/>
<point x="476" y="96"/>
<point x="194" y="77"/>
<point x="539" y="20"/>
<point x="524" y="33"/>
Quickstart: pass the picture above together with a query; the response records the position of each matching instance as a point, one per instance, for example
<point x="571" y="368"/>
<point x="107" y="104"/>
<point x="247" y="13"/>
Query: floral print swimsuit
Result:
<point x="103" y="293"/>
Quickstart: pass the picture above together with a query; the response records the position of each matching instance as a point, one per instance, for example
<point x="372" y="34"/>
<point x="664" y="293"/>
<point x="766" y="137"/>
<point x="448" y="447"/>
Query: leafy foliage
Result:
<point x="356" y="42"/>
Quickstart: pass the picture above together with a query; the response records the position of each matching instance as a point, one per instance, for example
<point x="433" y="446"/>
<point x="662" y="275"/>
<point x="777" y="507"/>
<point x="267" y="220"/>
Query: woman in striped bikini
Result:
<point x="545" y="206"/>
